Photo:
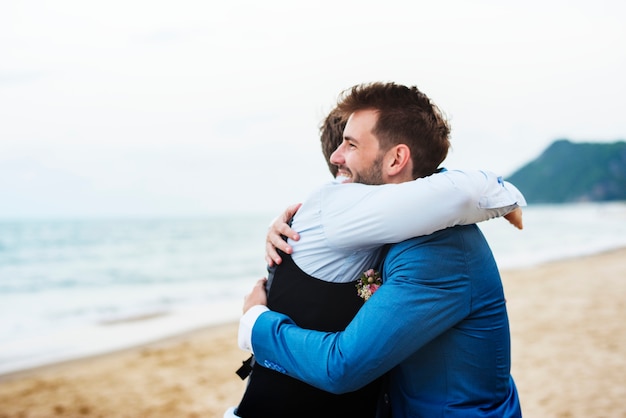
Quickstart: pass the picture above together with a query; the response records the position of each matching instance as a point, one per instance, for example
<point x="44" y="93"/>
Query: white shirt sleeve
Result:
<point x="357" y="216"/>
<point x="246" y="323"/>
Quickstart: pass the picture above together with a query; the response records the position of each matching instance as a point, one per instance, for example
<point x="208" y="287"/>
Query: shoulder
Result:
<point x="437" y="242"/>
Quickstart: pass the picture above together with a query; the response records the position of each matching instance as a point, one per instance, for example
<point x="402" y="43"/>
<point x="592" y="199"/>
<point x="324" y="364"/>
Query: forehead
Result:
<point x="360" y="125"/>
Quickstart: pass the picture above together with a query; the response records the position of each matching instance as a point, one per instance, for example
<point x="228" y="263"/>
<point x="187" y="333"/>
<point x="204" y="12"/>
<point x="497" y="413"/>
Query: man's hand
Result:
<point x="258" y="296"/>
<point x="515" y="218"/>
<point x="277" y="229"/>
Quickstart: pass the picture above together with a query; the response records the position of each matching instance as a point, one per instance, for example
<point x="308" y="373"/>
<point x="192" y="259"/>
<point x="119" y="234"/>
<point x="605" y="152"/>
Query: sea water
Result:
<point x="72" y="288"/>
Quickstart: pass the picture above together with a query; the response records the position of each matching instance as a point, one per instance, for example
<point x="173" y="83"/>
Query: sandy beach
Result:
<point x="568" y="337"/>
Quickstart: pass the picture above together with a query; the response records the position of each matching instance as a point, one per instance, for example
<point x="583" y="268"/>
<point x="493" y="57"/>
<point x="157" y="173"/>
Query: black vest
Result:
<point x="312" y="304"/>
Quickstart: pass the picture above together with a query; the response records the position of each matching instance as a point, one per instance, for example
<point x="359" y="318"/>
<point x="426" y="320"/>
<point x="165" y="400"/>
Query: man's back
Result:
<point x="461" y="362"/>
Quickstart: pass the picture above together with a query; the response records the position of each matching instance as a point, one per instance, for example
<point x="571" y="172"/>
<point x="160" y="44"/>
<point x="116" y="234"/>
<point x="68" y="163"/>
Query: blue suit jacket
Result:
<point x="438" y="322"/>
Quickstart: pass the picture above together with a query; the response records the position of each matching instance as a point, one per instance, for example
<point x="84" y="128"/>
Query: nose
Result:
<point x="337" y="157"/>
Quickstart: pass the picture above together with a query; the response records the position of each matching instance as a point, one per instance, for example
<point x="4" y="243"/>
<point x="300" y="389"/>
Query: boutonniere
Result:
<point x="368" y="283"/>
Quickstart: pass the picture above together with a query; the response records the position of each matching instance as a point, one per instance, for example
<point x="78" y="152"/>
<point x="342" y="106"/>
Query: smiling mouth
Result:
<point x="346" y="176"/>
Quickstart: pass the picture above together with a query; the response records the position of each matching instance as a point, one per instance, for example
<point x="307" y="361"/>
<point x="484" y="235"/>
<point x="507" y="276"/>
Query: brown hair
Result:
<point x="331" y="136"/>
<point x="405" y="116"/>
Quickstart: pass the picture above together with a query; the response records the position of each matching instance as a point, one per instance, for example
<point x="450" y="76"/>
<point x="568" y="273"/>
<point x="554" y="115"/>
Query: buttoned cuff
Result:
<point x="246" y="323"/>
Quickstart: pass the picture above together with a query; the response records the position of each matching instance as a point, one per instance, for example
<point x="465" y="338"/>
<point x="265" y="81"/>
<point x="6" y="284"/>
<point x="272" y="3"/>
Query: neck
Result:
<point x="401" y="177"/>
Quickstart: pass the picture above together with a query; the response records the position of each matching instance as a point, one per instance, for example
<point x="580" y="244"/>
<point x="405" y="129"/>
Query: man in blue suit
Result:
<point x="438" y="323"/>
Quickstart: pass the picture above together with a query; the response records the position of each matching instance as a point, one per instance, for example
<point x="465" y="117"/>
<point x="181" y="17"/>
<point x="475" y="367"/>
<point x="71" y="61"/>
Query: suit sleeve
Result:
<point x="407" y="312"/>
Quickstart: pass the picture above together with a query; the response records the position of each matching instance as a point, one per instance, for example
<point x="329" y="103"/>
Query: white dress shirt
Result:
<point x="342" y="226"/>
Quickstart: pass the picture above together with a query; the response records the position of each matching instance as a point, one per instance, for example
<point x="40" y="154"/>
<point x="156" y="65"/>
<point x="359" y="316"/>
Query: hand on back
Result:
<point x="279" y="229"/>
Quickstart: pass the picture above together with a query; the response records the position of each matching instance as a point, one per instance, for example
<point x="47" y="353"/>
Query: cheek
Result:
<point x="357" y="160"/>
<point x="349" y="159"/>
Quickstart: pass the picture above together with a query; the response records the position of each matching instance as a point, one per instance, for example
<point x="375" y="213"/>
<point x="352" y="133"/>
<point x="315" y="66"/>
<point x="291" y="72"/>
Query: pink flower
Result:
<point x="368" y="283"/>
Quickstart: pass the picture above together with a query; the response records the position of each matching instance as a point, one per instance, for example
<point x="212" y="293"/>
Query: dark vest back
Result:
<point x="312" y="304"/>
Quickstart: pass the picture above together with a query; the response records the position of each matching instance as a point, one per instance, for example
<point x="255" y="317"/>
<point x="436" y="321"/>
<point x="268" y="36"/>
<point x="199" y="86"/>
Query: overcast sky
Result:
<point x="150" y="108"/>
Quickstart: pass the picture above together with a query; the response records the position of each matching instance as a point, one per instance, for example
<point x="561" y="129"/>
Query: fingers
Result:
<point x="276" y="231"/>
<point x="285" y="230"/>
<point x="281" y="226"/>
<point x="515" y="218"/>
<point x="257" y="296"/>
<point x="273" y="243"/>
<point x="271" y="255"/>
<point x="291" y="211"/>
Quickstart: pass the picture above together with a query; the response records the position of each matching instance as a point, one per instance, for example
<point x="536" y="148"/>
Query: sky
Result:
<point x="133" y="108"/>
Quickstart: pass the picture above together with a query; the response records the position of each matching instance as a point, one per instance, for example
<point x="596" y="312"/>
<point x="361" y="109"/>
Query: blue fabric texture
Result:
<point x="438" y="322"/>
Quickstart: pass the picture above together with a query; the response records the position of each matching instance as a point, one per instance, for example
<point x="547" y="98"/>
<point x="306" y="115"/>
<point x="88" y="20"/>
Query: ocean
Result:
<point x="74" y="288"/>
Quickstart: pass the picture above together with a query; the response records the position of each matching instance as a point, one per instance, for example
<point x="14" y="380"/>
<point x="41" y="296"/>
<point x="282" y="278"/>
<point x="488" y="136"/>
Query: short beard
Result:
<point x="373" y="175"/>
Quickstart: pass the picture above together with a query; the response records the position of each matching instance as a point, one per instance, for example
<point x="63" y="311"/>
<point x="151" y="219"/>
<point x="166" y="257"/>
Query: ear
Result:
<point x="398" y="161"/>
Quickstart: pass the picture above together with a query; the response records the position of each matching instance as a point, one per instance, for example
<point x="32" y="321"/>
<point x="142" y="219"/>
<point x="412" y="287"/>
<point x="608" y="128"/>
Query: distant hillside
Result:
<point x="574" y="172"/>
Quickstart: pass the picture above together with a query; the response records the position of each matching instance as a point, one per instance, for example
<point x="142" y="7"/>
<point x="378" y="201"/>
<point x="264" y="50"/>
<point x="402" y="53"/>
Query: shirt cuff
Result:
<point x="502" y="195"/>
<point x="246" y="323"/>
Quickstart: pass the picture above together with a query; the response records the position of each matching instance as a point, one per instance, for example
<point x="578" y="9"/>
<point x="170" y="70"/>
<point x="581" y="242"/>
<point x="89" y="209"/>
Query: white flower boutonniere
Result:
<point x="368" y="283"/>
